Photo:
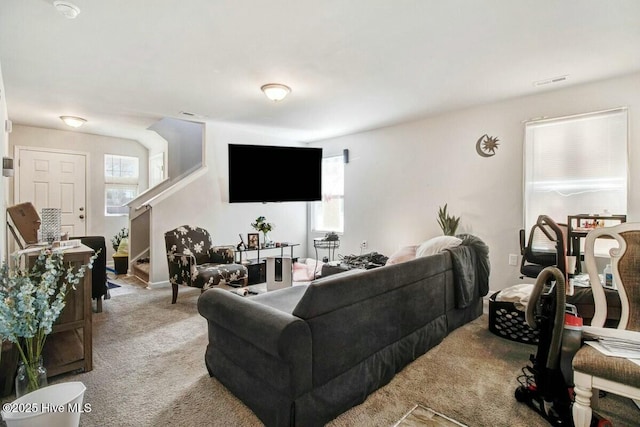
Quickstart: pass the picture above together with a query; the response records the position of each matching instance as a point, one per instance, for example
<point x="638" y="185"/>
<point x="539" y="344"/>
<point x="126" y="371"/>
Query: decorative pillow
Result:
<point x="300" y="272"/>
<point x="304" y="271"/>
<point x="437" y="244"/>
<point x="406" y="253"/>
<point x="313" y="264"/>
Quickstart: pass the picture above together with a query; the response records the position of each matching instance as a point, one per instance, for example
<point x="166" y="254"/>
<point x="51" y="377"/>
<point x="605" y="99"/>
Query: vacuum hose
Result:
<point x="558" y="324"/>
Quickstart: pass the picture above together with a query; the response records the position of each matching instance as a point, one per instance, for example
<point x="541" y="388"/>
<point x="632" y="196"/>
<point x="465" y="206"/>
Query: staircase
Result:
<point x="185" y="153"/>
<point x="140" y="269"/>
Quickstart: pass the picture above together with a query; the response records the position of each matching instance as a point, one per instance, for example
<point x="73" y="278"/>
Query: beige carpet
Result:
<point x="149" y="371"/>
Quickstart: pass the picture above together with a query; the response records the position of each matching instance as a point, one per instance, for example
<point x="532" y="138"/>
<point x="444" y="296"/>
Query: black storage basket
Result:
<point x="506" y="321"/>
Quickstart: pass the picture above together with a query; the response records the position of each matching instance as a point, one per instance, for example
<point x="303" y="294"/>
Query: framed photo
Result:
<point x="253" y="240"/>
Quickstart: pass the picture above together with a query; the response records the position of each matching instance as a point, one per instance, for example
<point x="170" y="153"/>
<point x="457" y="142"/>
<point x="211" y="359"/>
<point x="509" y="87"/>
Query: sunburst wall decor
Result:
<point x="487" y="145"/>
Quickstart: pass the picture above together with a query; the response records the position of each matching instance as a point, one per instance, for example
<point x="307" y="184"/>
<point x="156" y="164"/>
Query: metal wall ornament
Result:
<point x="487" y="146"/>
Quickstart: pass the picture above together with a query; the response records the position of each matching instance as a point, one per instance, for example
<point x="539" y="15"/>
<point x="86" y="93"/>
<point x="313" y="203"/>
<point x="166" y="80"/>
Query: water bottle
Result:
<point x="571" y="342"/>
<point x="608" y="277"/>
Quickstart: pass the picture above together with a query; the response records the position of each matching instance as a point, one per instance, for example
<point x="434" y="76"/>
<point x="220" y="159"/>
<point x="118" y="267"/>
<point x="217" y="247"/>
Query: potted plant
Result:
<point x="120" y="244"/>
<point x="264" y="227"/>
<point x="30" y="302"/>
<point x="448" y="223"/>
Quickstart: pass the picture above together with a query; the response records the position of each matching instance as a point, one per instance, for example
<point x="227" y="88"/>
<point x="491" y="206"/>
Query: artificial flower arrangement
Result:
<point x="264" y="227"/>
<point x="31" y="301"/>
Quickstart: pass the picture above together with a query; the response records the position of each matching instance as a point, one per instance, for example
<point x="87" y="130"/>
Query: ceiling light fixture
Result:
<point x="74" y="122"/>
<point x="275" y="91"/>
<point x="67" y="9"/>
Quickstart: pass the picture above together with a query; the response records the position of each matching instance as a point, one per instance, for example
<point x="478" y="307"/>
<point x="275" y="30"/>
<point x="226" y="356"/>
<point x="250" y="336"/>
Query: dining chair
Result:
<point x="592" y="370"/>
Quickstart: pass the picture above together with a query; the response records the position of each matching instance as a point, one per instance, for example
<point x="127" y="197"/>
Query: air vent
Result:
<point x="552" y="80"/>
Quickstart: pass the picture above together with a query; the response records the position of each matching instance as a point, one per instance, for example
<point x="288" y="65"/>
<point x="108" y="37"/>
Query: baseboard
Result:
<point x="156" y="285"/>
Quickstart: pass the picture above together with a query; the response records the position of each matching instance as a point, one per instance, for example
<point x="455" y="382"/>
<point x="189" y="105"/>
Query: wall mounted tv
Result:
<point x="265" y="173"/>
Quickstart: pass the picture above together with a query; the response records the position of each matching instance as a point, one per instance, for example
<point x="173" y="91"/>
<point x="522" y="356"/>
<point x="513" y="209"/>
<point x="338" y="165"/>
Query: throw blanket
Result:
<point x="471" y="267"/>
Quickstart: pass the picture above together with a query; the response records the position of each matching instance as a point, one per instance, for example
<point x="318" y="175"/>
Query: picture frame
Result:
<point x="253" y="240"/>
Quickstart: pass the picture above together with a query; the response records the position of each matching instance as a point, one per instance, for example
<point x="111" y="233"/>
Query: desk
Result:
<point x="578" y="226"/>
<point x="70" y="346"/>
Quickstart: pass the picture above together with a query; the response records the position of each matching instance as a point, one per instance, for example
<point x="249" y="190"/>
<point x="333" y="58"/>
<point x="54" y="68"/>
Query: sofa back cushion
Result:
<point x="355" y="314"/>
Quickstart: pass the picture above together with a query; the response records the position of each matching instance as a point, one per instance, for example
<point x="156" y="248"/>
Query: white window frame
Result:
<point x="576" y="165"/>
<point x="127" y="182"/>
<point x="330" y="191"/>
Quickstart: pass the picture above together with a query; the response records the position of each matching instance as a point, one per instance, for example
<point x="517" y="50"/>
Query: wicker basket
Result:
<point x="506" y="321"/>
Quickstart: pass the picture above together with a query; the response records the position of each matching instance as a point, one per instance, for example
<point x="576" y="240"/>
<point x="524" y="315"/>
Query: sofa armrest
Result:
<point x="275" y="332"/>
<point x="272" y="330"/>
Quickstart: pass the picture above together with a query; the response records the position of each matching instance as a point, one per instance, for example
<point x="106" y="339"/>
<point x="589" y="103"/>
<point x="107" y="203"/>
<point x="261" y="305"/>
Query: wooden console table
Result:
<point x="70" y="345"/>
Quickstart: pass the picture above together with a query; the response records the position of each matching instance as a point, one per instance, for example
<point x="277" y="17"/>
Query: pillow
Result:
<point x="406" y="253"/>
<point x="300" y="272"/>
<point x="437" y="244"/>
<point x="314" y="264"/>
<point x="304" y="271"/>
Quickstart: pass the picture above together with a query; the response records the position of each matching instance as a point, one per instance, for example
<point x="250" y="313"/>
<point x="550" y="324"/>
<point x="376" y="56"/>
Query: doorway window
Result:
<point x="121" y="183"/>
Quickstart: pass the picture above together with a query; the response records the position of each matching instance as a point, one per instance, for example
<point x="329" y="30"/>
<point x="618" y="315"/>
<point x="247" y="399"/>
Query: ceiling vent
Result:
<point x="552" y="80"/>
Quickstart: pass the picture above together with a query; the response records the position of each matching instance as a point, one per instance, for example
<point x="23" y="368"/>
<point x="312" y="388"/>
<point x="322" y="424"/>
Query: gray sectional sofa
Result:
<point x="303" y="355"/>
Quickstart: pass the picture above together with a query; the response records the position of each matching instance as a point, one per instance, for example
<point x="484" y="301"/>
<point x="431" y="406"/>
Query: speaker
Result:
<point x="279" y="273"/>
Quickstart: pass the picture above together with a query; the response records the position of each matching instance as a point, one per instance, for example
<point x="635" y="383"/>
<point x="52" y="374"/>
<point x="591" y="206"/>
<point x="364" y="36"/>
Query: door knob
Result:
<point x="81" y="216"/>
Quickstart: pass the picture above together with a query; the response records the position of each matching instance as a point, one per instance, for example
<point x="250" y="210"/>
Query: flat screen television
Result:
<point x="266" y="173"/>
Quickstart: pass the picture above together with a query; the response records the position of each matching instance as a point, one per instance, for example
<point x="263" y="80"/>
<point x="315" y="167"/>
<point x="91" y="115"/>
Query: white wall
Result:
<point x="398" y="176"/>
<point x="96" y="146"/>
<point x="205" y="203"/>
<point x="4" y="150"/>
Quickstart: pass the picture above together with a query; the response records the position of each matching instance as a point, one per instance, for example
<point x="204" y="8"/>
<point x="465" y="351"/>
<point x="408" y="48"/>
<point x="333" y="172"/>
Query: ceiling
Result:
<point x="352" y="65"/>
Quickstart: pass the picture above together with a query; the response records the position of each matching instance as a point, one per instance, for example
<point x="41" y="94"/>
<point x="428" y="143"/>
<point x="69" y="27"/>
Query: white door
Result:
<point x="54" y="179"/>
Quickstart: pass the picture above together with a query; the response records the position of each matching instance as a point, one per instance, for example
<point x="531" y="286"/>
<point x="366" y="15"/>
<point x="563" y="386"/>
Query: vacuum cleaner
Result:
<point x="547" y="384"/>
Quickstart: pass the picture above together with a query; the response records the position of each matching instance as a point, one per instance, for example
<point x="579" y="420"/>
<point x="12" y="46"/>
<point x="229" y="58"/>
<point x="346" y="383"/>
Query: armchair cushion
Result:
<point x="210" y="274"/>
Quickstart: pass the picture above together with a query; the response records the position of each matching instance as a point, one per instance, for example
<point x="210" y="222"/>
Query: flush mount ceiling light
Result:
<point x="67" y="9"/>
<point x="74" y="122"/>
<point x="275" y="91"/>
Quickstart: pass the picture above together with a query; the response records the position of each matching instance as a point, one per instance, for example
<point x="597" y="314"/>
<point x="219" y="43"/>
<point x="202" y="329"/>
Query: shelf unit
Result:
<point x="578" y="226"/>
<point x="256" y="267"/>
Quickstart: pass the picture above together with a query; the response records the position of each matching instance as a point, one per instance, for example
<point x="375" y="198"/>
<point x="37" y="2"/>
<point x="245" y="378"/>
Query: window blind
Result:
<point x="576" y="165"/>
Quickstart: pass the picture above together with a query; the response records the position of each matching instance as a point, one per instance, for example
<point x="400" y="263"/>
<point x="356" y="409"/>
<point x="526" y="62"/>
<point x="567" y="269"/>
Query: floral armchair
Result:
<point x="194" y="261"/>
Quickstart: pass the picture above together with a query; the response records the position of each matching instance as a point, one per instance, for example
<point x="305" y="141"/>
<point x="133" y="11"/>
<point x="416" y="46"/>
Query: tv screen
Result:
<point x="265" y="173"/>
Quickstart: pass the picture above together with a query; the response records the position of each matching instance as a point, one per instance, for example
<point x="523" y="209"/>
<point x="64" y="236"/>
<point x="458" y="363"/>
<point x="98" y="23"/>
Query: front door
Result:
<point x="54" y="179"/>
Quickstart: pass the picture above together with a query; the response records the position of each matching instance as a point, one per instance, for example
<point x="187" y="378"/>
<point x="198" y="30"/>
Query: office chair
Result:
<point x="545" y="248"/>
